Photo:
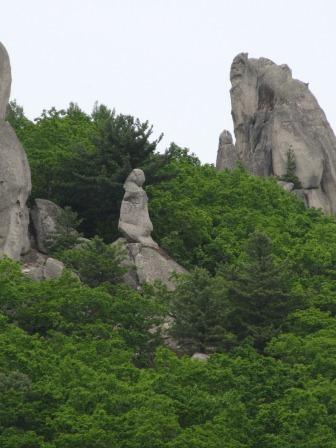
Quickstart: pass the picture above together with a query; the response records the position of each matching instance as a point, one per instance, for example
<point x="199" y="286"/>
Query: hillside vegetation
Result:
<point x="81" y="365"/>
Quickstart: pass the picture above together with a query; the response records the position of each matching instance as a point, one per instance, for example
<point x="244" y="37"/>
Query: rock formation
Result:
<point x="15" y="180"/>
<point x="134" y="223"/>
<point x="44" y="215"/>
<point x="38" y="266"/>
<point x="146" y="260"/>
<point x="273" y="114"/>
<point x="5" y="81"/>
<point x="226" y="155"/>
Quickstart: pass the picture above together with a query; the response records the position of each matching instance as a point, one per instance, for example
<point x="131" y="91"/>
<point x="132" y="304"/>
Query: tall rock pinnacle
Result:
<point x="274" y="114"/>
<point x="5" y="80"/>
<point x="134" y="223"/>
<point x="15" y="179"/>
<point x="146" y="260"/>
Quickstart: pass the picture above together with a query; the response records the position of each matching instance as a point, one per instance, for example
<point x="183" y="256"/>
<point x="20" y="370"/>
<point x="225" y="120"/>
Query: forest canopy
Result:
<point x="81" y="365"/>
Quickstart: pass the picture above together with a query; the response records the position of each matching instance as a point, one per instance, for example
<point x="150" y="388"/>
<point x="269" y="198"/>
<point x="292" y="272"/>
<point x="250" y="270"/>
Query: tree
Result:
<point x="259" y="291"/>
<point x="290" y="175"/>
<point x="96" y="262"/>
<point x="200" y="310"/>
<point x="93" y="180"/>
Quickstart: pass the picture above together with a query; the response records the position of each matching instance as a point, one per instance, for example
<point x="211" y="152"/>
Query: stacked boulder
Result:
<point x="146" y="260"/>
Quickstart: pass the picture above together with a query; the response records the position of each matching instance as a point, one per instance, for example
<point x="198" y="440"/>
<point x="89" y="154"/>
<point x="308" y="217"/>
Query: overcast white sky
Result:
<point x="166" y="61"/>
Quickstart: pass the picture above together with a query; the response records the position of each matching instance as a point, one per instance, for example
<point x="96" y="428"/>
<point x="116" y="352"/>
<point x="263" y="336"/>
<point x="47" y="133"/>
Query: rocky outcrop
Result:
<point x="147" y="264"/>
<point x="134" y="223"/>
<point x="44" y="216"/>
<point x="39" y="267"/>
<point x="146" y="261"/>
<point x="273" y="114"/>
<point x="5" y="81"/>
<point x="226" y="155"/>
<point x="15" y="179"/>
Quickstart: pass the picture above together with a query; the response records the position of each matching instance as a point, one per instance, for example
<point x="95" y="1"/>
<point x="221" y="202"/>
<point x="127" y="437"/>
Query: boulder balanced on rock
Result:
<point x="134" y="223"/>
<point x="15" y="179"/>
<point x="146" y="260"/>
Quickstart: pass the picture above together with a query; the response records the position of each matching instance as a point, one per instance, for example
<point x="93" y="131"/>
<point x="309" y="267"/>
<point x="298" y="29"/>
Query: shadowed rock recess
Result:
<point x="272" y="115"/>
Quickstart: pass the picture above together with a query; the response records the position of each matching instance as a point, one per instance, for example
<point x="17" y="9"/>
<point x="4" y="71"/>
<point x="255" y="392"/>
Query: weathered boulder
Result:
<point x="287" y="186"/>
<point x="134" y="223"/>
<point x="15" y="179"/>
<point x="226" y="155"/>
<point x="200" y="357"/>
<point x="39" y="267"/>
<point x="44" y="216"/>
<point x="148" y="264"/>
<point x="53" y="268"/>
<point x="274" y="113"/>
<point x="146" y="261"/>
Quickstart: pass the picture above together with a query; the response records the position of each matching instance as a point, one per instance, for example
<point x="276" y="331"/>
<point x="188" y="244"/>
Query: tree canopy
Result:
<point x="82" y="361"/>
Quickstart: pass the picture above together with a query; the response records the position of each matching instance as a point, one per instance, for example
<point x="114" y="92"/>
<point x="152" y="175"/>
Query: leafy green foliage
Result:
<point x="200" y="309"/>
<point x="250" y="301"/>
<point x="81" y="161"/>
<point x="84" y="366"/>
<point x="96" y="262"/>
<point x="65" y="234"/>
<point x="260" y="295"/>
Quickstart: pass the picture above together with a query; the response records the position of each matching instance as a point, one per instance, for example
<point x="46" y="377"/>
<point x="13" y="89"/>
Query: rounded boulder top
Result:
<point x="136" y="176"/>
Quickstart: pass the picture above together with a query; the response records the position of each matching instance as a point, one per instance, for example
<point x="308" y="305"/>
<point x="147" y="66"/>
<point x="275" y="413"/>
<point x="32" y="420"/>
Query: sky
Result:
<point x="165" y="61"/>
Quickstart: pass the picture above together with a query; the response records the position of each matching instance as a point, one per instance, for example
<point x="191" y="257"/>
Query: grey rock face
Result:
<point x="41" y="267"/>
<point x="151" y="264"/>
<point x="15" y="179"/>
<point x="15" y="187"/>
<point x="287" y="186"/>
<point x="134" y="223"/>
<point x="44" y="215"/>
<point x="53" y="268"/>
<point x="272" y="113"/>
<point x="226" y="155"/>
<point x="5" y="80"/>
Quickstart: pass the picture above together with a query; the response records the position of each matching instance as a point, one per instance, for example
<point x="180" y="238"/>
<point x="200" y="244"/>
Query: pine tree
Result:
<point x="199" y="308"/>
<point x="290" y="175"/>
<point x="260" y="293"/>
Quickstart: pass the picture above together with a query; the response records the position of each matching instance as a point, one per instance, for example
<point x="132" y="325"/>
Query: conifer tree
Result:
<point x="260" y="293"/>
<point x="290" y="175"/>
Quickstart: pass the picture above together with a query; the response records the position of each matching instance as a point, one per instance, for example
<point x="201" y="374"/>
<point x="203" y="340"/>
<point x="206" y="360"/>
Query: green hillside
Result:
<point x="80" y="363"/>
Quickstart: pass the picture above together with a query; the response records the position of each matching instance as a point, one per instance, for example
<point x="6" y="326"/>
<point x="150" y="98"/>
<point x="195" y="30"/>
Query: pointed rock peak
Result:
<point x="225" y="137"/>
<point x="15" y="182"/>
<point x="226" y="154"/>
<point x="276" y="117"/>
<point x="5" y="81"/>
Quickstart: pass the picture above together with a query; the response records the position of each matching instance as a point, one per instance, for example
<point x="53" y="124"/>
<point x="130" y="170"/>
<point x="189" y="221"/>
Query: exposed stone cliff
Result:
<point x="273" y="114"/>
<point x="15" y="179"/>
